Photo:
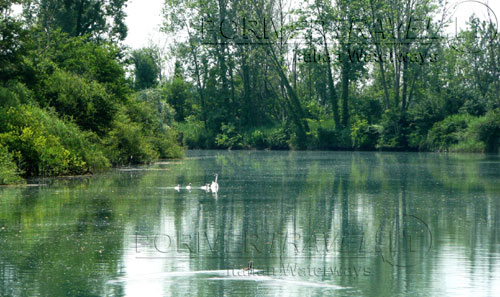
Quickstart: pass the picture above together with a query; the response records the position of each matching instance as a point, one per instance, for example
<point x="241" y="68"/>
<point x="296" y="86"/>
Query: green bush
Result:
<point x="487" y="129"/>
<point x="99" y="62"/>
<point x="193" y="133"/>
<point x="327" y="138"/>
<point x="229" y="138"/>
<point x="466" y="133"/>
<point x="166" y="145"/>
<point x="157" y="99"/>
<point x="278" y="139"/>
<point x="366" y="107"/>
<point x="331" y="138"/>
<point x="127" y="144"/>
<point x="9" y="173"/>
<point x="394" y="131"/>
<point x="258" y="140"/>
<point x="32" y="134"/>
<point x="448" y="132"/>
<point x="85" y="144"/>
<point x="8" y="98"/>
<point x="364" y="135"/>
<point x="473" y="107"/>
<point x="421" y="119"/>
<point x="13" y="94"/>
<point x="86" y="102"/>
<point x="155" y="132"/>
<point x="468" y="145"/>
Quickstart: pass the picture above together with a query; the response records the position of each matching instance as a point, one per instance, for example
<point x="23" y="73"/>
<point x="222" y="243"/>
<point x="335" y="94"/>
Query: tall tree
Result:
<point x="147" y="68"/>
<point x="11" y="41"/>
<point x="99" y="19"/>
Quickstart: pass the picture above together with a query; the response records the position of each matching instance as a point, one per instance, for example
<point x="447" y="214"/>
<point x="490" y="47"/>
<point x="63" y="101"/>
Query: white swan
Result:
<point x="215" y="186"/>
<point x="205" y="187"/>
<point x="177" y="188"/>
<point x="188" y="187"/>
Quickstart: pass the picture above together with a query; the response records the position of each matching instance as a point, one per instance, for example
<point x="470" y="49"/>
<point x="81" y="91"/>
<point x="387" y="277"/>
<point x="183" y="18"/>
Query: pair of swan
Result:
<point x="213" y="187"/>
<point x="178" y="187"/>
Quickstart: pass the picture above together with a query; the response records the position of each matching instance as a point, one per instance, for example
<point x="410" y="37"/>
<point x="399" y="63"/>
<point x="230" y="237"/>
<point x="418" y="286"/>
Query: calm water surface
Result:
<point x="313" y="224"/>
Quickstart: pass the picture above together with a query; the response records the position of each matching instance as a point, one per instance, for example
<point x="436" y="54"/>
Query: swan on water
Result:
<point x="188" y="187"/>
<point x="206" y="187"/>
<point x="177" y="188"/>
<point x="215" y="186"/>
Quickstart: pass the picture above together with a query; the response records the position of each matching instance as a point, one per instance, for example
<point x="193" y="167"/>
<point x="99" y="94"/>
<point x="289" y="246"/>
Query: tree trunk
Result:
<point x="198" y="77"/>
<point x="331" y="86"/>
<point x="298" y="114"/>
<point x="380" y="60"/>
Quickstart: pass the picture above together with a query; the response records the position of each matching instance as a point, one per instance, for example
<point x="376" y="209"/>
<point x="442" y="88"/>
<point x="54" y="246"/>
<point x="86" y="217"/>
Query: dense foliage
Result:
<point x="66" y="105"/>
<point x="362" y="74"/>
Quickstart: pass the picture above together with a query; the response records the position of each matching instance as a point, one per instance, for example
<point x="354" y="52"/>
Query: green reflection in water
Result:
<point x="313" y="223"/>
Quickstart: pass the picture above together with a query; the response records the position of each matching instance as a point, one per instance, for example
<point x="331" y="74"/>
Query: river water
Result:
<point x="312" y="224"/>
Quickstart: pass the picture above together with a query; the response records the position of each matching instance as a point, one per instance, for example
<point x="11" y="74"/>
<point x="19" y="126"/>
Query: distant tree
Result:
<point x="11" y="36"/>
<point x="178" y="93"/>
<point x="147" y="68"/>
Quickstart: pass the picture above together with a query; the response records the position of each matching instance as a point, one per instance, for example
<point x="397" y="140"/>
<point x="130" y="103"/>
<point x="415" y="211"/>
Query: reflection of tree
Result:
<point x="56" y="236"/>
<point x="308" y="209"/>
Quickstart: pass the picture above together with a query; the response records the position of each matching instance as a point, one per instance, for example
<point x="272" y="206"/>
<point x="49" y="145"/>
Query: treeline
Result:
<point x="357" y="74"/>
<point x="67" y="106"/>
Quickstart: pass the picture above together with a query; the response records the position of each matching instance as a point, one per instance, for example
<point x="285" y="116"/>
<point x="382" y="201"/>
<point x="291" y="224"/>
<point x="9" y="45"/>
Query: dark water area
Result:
<point x="312" y="223"/>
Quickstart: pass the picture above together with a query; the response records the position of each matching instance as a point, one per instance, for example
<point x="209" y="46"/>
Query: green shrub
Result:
<point x="330" y="138"/>
<point x="8" y="98"/>
<point x="92" y="61"/>
<point x="229" y="138"/>
<point x="258" y="140"/>
<point x="421" y="119"/>
<point x="32" y="134"/>
<point x="278" y="139"/>
<point x="366" y="107"/>
<point x="468" y="145"/>
<point x="13" y="94"/>
<point x="127" y="144"/>
<point x="448" y="132"/>
<point x="85" y="144"/>
<point x="9" y="173"/>
<point x="473" y="107"/>
<point x="364" y="135"/>
<point x="487" y="130"/>
<point x="158" y="100"/>
<point x="166" y="145"/>
<point x="466" y="133"/>
<point x="193" y="133"/>
<point x="394" y="130"/>
<point x="86" y="102"/>
<point x="327" y="139"/>
<point x="154" y="126"/>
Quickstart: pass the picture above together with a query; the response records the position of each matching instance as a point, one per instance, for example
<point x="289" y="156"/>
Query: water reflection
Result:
<point x="313" y="223"/>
